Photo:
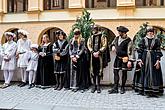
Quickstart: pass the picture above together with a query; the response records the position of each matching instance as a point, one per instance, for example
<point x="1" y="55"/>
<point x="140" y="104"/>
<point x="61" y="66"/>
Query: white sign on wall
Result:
<point x="76" y="3"/>
<point x="125" y="2"/>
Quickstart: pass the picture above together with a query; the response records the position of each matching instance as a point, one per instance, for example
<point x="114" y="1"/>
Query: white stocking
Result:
<point x="6" y="74"/>
<point x="34" y="76"/>
<point x="23" y="74"/>
<point x="31" y="76"/>
<point x="10" y="76"/>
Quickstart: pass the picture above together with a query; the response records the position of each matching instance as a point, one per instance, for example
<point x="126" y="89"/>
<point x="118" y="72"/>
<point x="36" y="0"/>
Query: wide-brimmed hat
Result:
<point x="34" y="46"/>
<point x="9" y="34"/>
<point x="122" y="29"/>
<point x="23" y="32"/>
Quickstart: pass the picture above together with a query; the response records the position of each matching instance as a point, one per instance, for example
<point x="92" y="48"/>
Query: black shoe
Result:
<point x="23" y="84"/>
<point x="93" y="89"/>
<point x="98" y="90"/>
<point x="152" y="96"/>
<point x="31" y="86"/>
<point x="113" y="91"/>
<point x="59" y="88"/>
<point x="141" y="93"/>
<point x="74" y="90"/>
<point x="20" y="84"/>
<point x="56" y="87"/>
<point x="149" y="95"/>
<point x="122" y="90"/>
<point x="66" y="89"/>
<point x="82" y="91"/>
<point x="155" y="95"/>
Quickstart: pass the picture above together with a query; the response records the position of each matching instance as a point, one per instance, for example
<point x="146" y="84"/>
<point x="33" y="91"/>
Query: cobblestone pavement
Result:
<point x="15" y="97"/>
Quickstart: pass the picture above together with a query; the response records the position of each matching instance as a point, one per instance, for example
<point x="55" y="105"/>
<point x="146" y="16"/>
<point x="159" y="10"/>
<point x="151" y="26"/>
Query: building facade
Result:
<point x="46" y="16"/>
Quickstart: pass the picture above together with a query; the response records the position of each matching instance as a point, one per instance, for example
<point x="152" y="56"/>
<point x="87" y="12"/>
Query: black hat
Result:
<point x="122" y="29"/>
<point x="77" y="31"/>
<point x="60" y="32"/>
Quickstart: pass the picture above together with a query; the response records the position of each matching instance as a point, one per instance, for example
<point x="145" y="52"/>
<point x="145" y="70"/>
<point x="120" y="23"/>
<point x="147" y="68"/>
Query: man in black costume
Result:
<point x="60" y="49"/>
<point x="97" y="44"/>
<point x="122" y="46"/>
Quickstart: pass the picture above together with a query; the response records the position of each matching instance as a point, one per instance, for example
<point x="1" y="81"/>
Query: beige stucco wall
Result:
<point x="36" y="28"/>
<point x="37" y="21"/>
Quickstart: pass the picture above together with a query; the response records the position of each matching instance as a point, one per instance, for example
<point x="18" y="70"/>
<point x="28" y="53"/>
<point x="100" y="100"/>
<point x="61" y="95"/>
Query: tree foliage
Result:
<point x="142" y="33"/>
<point x="84" y="23"/>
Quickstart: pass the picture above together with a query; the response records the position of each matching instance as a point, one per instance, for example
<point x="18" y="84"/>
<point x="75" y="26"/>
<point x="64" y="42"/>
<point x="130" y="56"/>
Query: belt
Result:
<point x="22" y="52"/>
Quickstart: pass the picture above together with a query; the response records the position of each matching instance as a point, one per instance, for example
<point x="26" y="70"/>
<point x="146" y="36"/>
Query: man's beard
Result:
<point x="123" y="36"/>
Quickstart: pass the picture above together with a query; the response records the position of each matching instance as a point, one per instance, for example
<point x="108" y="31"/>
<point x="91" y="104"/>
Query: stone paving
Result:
<point x="15" y="97"/>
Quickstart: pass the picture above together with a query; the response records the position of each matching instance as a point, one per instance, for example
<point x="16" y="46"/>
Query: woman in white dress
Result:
<point x="9" y="58"/>
<point x="23" y="48"/>
<point x="32" y="65"/>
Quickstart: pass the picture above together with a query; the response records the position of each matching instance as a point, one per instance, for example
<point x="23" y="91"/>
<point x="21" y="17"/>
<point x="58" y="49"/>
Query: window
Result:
<point x="100" y="3"/>
<point x="53" y="4"/>
<point x="14" y="6"/>
<point x="150" y="2"/>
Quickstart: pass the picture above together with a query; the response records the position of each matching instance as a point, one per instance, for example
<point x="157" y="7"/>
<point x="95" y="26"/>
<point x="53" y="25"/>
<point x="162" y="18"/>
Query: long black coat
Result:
<point x="45" y="71"/>
<point x="151" y="78"/>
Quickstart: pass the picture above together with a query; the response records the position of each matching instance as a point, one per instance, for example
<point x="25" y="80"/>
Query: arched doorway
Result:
<point x="51" y="31"/>
<point x="159" y="31"/>
<point x="13" y="30"/>
<point x="110" y="35"/>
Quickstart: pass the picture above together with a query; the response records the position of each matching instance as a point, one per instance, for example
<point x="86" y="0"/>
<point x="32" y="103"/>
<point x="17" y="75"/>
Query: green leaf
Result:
<point x="83" y="23"/>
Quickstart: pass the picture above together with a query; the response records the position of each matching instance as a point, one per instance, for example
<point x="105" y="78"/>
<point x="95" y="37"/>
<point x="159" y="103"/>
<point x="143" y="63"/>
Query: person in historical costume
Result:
<point x="60" y="50"/>
<point x="45" y="70"/>
<point x="9" y="58"/>
<point x="122" y="46"/>
<point x="23" y="45"/>
<point x="149" y="56"/>
<point x="32" y="64"/>
<point x="97" y="44"/>
<point x="1" y="55"/>
<point x="78" y="73"/>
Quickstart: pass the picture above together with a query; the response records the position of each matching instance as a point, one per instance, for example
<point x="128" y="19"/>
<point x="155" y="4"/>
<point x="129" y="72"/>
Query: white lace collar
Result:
<point x="46" y="44"/>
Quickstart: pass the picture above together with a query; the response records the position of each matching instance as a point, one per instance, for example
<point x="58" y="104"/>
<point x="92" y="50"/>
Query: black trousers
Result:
<point x="120" y="65"/>
<point x="96" y="71"/>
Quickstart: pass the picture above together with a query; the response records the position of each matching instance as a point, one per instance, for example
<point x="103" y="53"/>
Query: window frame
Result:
<point x="145" y="4"/>
<point x="50" y="4"/>
<point x="92" y="4"/>
<point x="12" y="6"/>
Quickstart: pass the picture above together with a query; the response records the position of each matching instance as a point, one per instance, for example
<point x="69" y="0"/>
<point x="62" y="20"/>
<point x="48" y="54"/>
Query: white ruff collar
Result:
<point x="150" y="37"/>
